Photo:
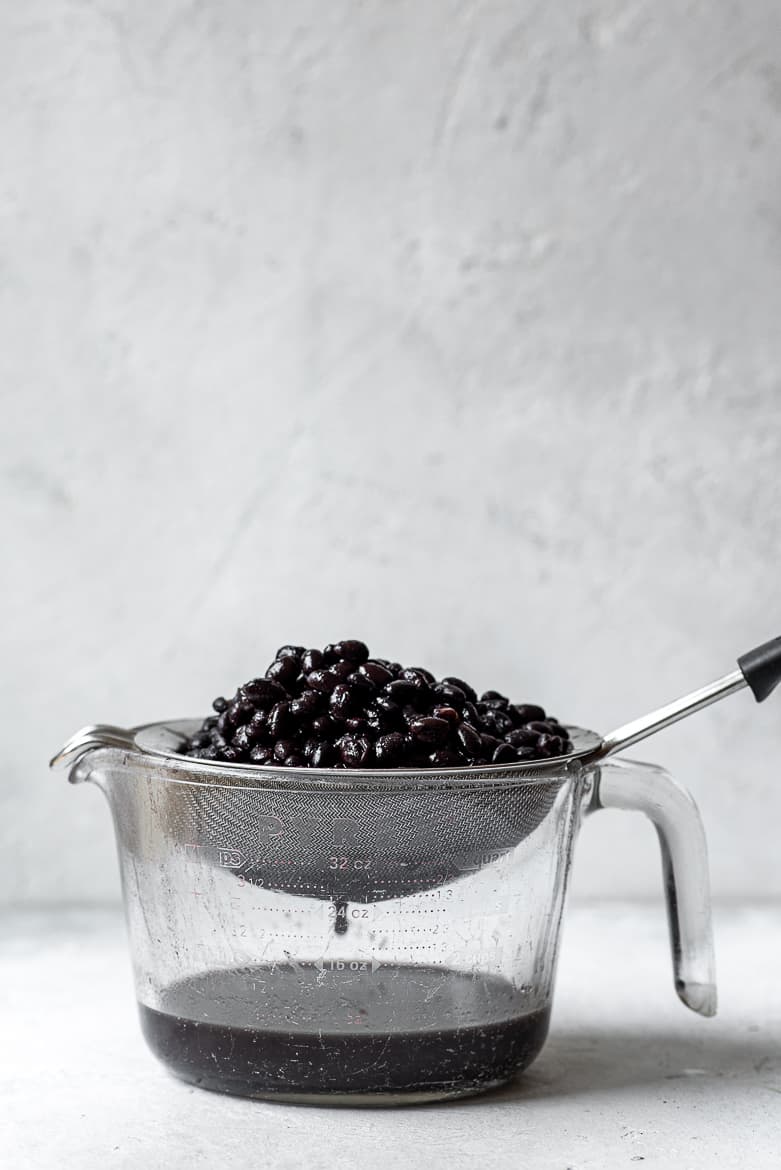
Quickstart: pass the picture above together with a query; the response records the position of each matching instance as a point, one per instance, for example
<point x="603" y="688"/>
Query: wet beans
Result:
<point x="339" y="707"/>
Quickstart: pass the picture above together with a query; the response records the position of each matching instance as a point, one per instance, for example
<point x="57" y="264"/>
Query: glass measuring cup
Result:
<point x="321" y="957"/>
<point x="375" y="937"/>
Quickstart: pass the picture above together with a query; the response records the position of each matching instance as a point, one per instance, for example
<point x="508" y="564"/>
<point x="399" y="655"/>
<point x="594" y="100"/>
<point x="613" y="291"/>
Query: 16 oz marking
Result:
<point x="345" y="965"/>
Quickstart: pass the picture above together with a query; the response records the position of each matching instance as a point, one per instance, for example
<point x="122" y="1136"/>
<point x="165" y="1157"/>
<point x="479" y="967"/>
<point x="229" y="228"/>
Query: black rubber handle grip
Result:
<point x="762" y="668"/>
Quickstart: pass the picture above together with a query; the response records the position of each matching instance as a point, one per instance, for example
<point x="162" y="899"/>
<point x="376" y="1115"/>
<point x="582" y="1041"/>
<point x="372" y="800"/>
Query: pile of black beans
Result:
<point x="341" y="708"/>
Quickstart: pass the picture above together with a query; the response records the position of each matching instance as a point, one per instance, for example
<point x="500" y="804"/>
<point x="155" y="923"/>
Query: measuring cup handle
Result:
<point x="627" y="784"/>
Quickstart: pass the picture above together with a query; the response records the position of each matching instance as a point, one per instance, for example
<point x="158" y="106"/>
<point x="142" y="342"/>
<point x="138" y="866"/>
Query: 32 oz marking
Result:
<point x="357" y="863"/>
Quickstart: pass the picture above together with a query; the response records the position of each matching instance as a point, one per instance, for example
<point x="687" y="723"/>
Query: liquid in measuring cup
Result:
<point x="345" y="1030"/>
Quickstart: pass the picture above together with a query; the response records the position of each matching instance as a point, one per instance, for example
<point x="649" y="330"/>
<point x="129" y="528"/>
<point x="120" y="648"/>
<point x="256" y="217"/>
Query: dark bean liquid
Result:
<point x="309" y="1033"/>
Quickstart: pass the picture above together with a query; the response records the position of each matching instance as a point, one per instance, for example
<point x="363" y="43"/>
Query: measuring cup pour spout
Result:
<point x="83" y="756"/>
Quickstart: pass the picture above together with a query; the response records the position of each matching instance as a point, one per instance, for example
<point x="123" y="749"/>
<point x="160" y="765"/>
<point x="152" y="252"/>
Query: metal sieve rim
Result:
<point x="161" y="740"/>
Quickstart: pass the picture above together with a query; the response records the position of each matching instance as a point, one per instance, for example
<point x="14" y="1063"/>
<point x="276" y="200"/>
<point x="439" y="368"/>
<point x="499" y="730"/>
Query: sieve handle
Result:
<point x="759" y="669"/>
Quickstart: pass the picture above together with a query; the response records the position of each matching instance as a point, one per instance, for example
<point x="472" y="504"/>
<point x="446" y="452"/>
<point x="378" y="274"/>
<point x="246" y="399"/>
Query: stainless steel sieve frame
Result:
<point x="164" y="739"/>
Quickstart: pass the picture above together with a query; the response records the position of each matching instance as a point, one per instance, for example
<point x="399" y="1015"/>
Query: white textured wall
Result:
<point x="453" y="326"/>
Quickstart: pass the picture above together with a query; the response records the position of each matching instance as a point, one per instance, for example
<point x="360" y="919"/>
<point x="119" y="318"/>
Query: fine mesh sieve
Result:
<point x="358" y="837"/>
<point x="369" y="836"/>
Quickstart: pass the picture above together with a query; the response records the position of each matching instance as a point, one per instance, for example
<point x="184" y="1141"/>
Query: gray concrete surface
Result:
<point x="453" y="326"/>
<point x="628" y="1077"/>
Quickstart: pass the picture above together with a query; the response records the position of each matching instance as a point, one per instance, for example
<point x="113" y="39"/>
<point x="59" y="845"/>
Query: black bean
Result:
<point x="298" y="722"/>
<point x="220" y="704"/>
<point x="540" y="726"/>
<point x="525" y="753"/>
<point x="200" y="740"/>
<point x="355" y="750"/>
<point x="242" y="711"/>
<point x="448" y="713"/>
<point x="343" y="701"/>
<point x="389" y="749"/>
<point x="527" y="712"/>
<point x="429" y="729"/>
<point x="375" y="672"/>
<point x="401" y="690"/>
<point x="323" y="727"/>
<point x="309" y="747"/>
<point x="260" y="754"/>
<point x="242" y="740"/>
<point x="504" y="754"/>
<point x="356" y="724"/>
<point x="385" y="719"/>
<point x="513" y="716"/>
<point x="230" y="755"/>
<point x="285" y="671"/>
<point x="470" y="713"/>
<point x="384" y="702"/>
<point x="493" y="705"/>
<point x="258" y="725"/>
<point x="490" y="743"/>
<point x="322" y="680"/>
<point x="352" y="650"/>
<point x="494" y="697"/>
<point x="280" y="721"/>
<point x="290" y="651"/>
<point x="448" y="695"/>
<point x="394" y="720"/>
<point x="324" y="755"/>
<point x="307" y="704"/>
<point x="416" y="753"/>
<point x="362" y="685"/>
<point x="342" y="669"/>
<point x="556" y="728"/>
<point x="446" y="758"/>
<point x="311" y="660"/>
<point x="294" y="760"/>
<point x="496" y="722"/>
<point x="470" y="739"/>
<point x="375" y="722"/>
<point x="262" y="690"/>
<point x="522" y="737"/>
<point x="550" y="745"/>
<point x="283" y="748"/>
<point x="330" y="654"/>
<point x="452" y="681"/>
<point x="226" y="724"/>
